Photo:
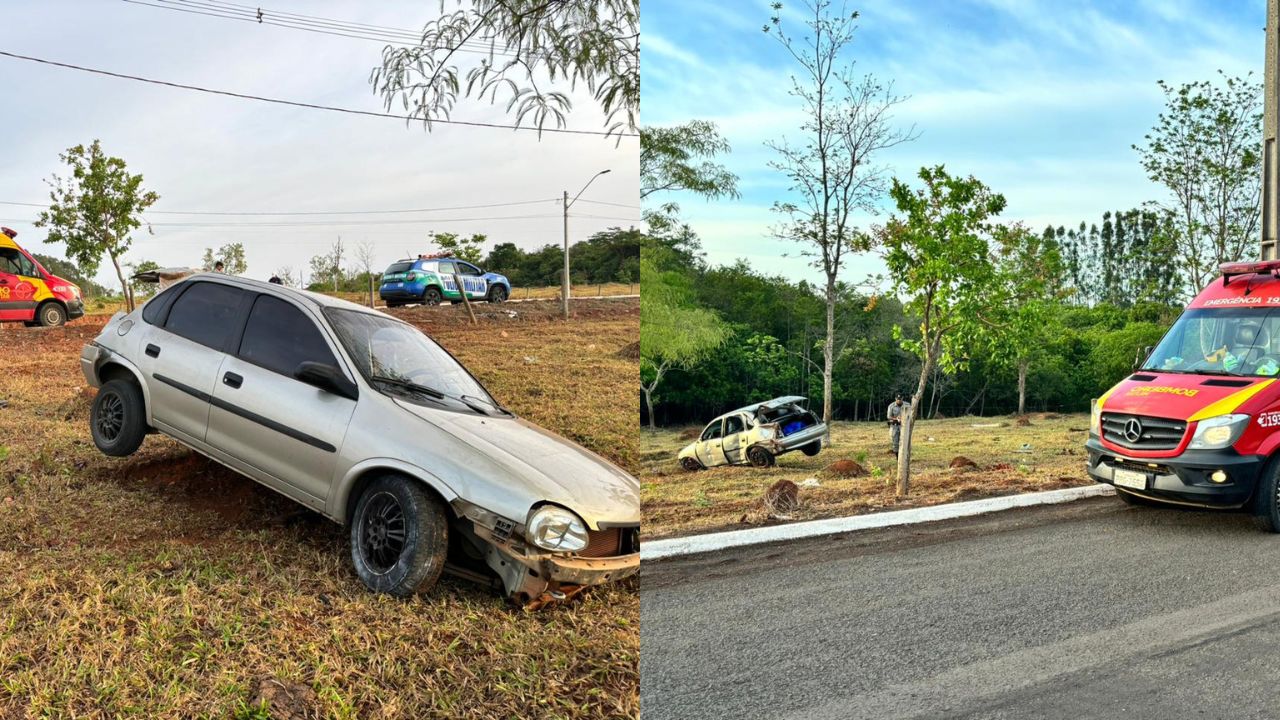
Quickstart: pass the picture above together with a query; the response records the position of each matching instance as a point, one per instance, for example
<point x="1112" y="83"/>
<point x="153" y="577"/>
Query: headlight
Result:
<point x="1218" y="432"/>
<point x="1095" y="419"/>
<point x="556" y="529"/>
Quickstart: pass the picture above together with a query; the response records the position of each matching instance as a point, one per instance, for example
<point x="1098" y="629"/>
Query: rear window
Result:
<point x="399" y="267"/>
<point x="206" y="314"/>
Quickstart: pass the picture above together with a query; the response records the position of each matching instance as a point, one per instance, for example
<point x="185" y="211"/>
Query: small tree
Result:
<point x="673" y="332"/>
<point x="142" y="288"/>
<point x="470" y="249"/>
<point x="364" y="255"/>
<point x="231" y="256"/>
<point x="286" y="276"/>
<point x="95" y="210"/>
<point x="1030" y="274"/>
<point x="595" y="43"/>
<point x="326" y="268"/>
<point x="940" y="262"/>
<point x="846" y="122"/>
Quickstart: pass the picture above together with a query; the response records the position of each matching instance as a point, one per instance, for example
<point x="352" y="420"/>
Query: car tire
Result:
<point x="691" y="464"/>
<point x="1266" y="499"/>
<point x="812" y="448"/>
<point x="760" y="457"/>
<point x="51" y="314"/>
<point x="399" y="536"/>
<point x="432" y="296"/>
<point x="118" y="418"/>
<point x="498" y="294"/>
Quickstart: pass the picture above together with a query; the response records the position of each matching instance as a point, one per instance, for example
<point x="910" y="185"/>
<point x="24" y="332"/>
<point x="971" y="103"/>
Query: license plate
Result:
<point x="1129" y="479"/>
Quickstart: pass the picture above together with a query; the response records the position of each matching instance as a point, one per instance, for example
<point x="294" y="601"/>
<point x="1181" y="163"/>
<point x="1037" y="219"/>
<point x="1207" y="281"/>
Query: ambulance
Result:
<point x="31" y="294"/>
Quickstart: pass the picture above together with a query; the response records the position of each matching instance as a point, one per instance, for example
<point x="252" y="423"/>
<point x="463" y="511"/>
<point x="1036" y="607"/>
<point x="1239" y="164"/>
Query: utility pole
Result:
<point x="1271" y="116"/>
<point x="564" y="289"/>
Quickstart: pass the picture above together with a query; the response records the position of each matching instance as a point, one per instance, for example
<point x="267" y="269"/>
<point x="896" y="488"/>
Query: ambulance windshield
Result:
<point x="1234" y="341"/>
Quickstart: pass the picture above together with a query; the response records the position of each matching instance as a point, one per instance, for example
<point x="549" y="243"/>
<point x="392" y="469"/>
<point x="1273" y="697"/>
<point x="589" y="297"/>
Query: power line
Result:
<point x="318" y="212"/>
<point x="355" y="223"/>
<point x="336" y="29"/>
<point x="603" y="202"/>
<point x="312" y="106"/>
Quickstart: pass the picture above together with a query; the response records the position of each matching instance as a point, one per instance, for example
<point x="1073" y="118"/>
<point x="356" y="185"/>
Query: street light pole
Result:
<point x="564" y="288"/>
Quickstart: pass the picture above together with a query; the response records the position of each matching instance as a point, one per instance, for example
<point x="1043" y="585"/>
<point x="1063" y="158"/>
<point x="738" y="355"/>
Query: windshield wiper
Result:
<point x="430" y="392"/>
<point x="490" y="403"/>
<point x="423" y="389"/>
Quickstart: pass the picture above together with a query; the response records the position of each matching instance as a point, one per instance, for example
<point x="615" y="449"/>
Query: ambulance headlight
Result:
<point x="1218" y="432"/>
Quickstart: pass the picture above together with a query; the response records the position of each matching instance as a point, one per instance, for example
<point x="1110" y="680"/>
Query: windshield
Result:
<point x="1235" y="341"/>
<point x="392" y="350"/>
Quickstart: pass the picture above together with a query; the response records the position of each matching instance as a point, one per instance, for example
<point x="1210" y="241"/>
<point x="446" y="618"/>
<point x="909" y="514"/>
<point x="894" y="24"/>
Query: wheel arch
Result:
<point x="115" y="369"/>
<point x="56" y="301"/>
<point x="342" y="504"/>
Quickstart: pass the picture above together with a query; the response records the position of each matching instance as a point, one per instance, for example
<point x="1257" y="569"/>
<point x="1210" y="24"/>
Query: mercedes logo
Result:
<point x="1133" y="430"/>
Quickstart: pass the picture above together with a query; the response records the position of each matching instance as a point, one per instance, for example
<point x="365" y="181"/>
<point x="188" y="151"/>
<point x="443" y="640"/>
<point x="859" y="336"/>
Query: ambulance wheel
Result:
<point x="760" y="457"/>
<point x="432" y="296"/>
<point x="1266" y="499"/>
<point x="51" y="314"/>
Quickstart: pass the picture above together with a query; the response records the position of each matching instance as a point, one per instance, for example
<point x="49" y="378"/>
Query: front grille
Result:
<point x="1139" y="466"/>
<point x="611" y="542"/>
<point x="1152" y="433"/>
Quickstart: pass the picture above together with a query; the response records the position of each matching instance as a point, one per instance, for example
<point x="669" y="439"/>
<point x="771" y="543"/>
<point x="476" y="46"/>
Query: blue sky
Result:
<point x="1040" y="100"/>
<point x="209" y="153"/>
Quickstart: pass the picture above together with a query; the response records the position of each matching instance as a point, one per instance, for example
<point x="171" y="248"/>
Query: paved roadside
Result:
<point x="1091" y="609"/>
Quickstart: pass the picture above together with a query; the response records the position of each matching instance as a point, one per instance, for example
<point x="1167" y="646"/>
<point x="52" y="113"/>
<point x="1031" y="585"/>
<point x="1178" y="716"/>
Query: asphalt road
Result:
<point x="1087" y="610"/>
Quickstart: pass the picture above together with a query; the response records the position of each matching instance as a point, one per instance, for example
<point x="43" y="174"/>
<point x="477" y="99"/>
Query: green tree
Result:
<point x="939" y="257"/>
<point x="847" y="122"/>
<point x="466" y="248"/>
<point x="1205" y="150"/>
<point x="230" y="255"/>
<point x="142" y="288"/>
<point x="673" y="331"/>
<point x="67" y="270"/>
<point x="1029" y="276"/>
<point x="523" y="44"/>
<point x="679" y="159"/>
<point x="95" y="210"/>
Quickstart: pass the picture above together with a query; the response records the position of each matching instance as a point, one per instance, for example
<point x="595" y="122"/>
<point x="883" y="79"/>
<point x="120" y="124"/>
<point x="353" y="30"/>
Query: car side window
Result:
<point x="280" y="337"/>
<point x="153" y="310"/>
<point x="446" y="267"/>
<point x="733" y="425"/>
<point x="206" y="313"/>
<point x="467" y="269"/>
<point x="713" y="431"/>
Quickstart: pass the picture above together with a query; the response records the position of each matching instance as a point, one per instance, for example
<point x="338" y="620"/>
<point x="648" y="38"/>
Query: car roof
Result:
<point x="317" y="299"/>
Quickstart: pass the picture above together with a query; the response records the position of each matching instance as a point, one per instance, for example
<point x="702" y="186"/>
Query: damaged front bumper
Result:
<point x="534" y="577"/>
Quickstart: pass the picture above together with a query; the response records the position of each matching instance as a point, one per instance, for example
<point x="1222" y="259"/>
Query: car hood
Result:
<point x="550" y="467"/>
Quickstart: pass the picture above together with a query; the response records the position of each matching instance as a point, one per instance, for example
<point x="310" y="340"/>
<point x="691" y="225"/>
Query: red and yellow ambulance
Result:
<point x="31" y="294"/>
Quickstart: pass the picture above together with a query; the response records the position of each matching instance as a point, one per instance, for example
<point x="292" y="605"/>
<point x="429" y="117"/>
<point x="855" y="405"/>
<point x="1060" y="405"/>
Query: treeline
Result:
<point x="1118" y="295"/>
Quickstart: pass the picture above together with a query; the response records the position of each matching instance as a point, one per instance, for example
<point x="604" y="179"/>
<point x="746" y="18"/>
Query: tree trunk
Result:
<point x="648" y="393"/>
<point x="1022" y="386"/>
<point x="124" y="284"/>
<point x="909" y="421"/>
<point x="828" y="357"/>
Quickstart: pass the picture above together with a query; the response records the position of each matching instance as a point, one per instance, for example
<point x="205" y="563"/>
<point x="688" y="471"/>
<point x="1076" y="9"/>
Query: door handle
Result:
<point x="232" y="380"/>
<point x="153" y="350"/>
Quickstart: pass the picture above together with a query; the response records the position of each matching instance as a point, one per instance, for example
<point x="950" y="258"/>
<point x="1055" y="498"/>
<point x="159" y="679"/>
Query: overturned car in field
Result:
<point x="757" y="435"/>
<point x="361" y="417"/>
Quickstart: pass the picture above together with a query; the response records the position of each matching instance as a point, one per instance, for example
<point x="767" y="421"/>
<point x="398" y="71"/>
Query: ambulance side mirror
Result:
<point x="1141" y="358"/>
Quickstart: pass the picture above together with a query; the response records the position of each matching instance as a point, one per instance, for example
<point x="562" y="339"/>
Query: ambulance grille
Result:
<point x="1154" y="433"/>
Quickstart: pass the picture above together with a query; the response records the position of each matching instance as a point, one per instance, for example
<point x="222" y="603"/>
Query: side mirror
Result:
<point x="326" y="377"/>
<point x="1141" y="358"/>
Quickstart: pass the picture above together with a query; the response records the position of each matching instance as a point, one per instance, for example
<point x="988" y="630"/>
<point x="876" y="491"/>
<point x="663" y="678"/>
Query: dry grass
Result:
<point x="165" y="586"/>
<point x="676" y="502"/>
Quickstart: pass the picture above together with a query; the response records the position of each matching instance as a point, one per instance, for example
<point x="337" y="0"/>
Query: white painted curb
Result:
<point x="711" y="542"/>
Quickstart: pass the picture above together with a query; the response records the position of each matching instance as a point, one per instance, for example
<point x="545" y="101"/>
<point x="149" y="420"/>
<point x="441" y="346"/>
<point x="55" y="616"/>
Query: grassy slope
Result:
<point x="676" y="502"/>
<point x="163" y="585"/>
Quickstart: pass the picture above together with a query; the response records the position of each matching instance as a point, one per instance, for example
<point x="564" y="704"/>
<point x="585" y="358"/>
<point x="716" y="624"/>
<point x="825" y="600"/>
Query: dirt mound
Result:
<point x="782" y="498"/>
<point x="630" y="351"/>
<point x="1022" y="421"/>
<point x="961" y="462"/>
<point x="844" y="469"/>
<point x="285" y="700"/>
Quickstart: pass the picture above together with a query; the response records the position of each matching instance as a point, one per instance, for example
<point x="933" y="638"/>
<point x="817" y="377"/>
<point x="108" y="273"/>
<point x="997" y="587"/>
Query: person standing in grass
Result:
<point x="896" y="410"/>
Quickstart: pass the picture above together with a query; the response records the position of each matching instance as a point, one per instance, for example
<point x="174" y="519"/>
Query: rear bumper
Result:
<point x="1183" y="479"/>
